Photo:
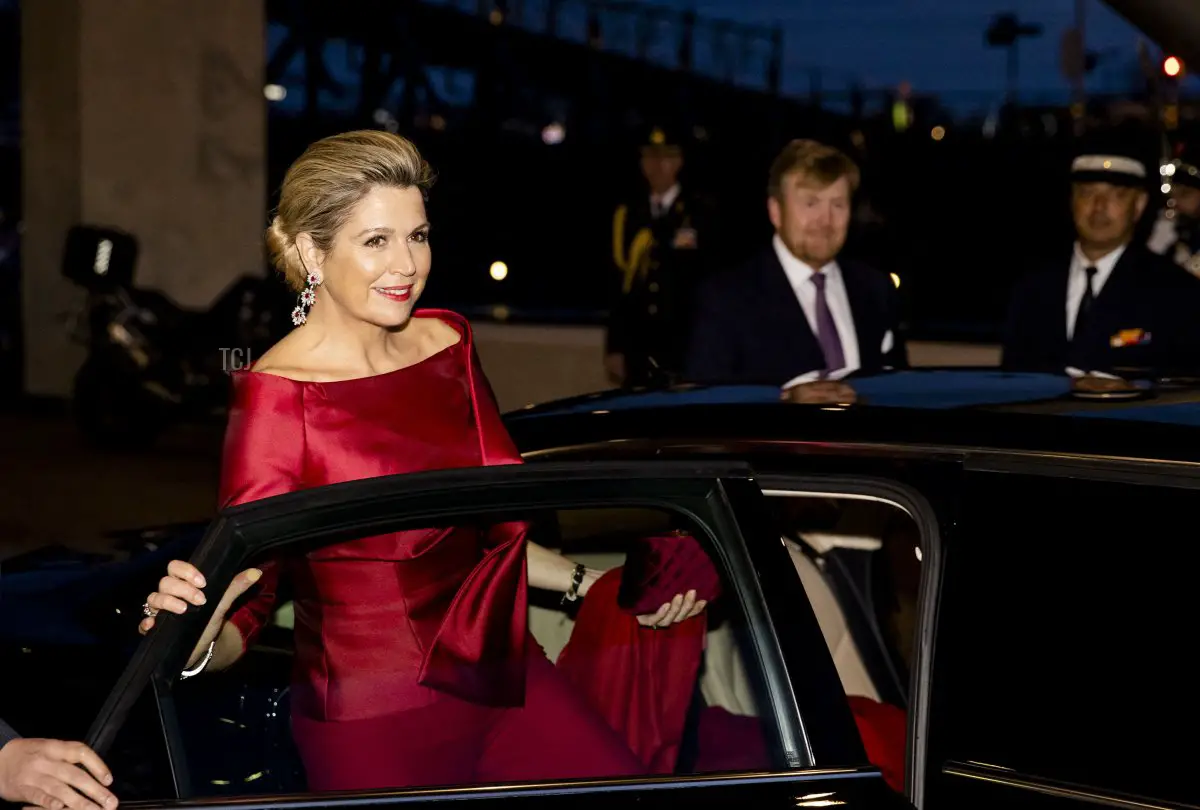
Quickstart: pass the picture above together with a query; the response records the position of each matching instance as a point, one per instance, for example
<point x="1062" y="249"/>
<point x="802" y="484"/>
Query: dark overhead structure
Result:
<point x="599" y="67"/>
<point x="1173" y="24"/>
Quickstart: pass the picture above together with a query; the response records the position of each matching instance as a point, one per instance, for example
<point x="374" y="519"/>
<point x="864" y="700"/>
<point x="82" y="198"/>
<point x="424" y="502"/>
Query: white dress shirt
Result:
<point x="800" y="276"/>
<point x="1077" y="281"/>
<point x="661" y="203"/>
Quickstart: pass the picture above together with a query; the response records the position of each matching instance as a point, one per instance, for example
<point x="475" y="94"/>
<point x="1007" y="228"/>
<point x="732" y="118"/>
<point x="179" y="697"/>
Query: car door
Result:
<point x="1063" y="669"/>
<point x="814" y="758"/>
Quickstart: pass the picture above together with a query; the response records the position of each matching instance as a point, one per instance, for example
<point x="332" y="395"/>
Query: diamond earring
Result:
<point x="308" y="297"/>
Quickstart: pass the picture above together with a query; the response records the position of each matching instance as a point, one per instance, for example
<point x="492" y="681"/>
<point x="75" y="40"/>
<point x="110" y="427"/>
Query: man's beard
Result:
<point x="807" y="253"/>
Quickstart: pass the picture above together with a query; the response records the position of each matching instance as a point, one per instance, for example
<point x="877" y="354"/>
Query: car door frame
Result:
<point x="920" y="508"/>
<point x="722" y="498"/>
<point x="932" y="503"/>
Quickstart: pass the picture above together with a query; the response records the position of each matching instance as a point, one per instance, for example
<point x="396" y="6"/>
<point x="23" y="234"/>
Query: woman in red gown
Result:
<point x="413" y="662"/>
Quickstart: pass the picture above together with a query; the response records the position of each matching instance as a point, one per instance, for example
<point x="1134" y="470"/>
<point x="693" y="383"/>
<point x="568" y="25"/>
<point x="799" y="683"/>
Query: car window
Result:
<point x="67" y="632"/>
<point x="859" y="562"/>
<point x="139" y="757"/>
<point x="1066" y="632"/>
<point x="47" y="694"/>
<point x="325" y="697"/>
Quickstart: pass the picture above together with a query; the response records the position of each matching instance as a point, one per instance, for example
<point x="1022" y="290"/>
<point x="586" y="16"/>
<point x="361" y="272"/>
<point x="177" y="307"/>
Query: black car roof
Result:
<point x="949" y="407"/>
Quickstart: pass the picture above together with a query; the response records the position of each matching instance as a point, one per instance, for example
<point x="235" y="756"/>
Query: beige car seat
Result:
<point x="725" y="682"/>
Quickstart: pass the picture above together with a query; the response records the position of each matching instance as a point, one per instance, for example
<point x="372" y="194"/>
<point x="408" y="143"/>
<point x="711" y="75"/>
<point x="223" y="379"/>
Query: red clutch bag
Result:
<point x="656" y="568"/>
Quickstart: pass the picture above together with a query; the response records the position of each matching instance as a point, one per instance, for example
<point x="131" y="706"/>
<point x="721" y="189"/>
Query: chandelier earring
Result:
<point x="308" y="297"/>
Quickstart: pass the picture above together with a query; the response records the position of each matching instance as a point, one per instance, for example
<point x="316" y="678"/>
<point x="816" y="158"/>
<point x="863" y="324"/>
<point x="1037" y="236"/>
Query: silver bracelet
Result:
<point x="187" y="673"/>
<point x="577" y="575"/>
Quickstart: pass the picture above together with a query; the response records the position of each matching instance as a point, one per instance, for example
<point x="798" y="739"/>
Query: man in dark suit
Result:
<point x="661" y="241"/>
<point x="1111" y="306"/>
<point x="47" y="773"/>
<point x="797" y="309"/>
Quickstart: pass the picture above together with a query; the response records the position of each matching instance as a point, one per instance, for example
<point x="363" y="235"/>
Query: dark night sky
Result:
<point x="937" y="45"/>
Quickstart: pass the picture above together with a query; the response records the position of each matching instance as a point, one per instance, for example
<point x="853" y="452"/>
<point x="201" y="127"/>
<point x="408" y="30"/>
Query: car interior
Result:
<point x="857" y="559"/>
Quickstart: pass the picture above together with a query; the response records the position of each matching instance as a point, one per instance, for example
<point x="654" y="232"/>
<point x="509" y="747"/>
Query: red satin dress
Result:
<point x="413" y="663"/>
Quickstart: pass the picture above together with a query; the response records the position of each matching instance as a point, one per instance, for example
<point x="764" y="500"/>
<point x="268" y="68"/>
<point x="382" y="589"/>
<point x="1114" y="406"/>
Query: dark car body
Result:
<point x="1047" y="674"/>
<point x="1052" y="657"/>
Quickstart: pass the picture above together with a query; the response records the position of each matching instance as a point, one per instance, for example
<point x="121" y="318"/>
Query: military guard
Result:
<point x="660" y="247"/>
<point x="1176" y="232"/>
<point x="1111" y="304"/>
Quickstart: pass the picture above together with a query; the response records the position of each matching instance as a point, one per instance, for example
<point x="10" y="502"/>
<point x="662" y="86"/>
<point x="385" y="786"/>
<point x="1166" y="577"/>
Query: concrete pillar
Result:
<point x="530" y="363"/>
<point x="148" y="116"/>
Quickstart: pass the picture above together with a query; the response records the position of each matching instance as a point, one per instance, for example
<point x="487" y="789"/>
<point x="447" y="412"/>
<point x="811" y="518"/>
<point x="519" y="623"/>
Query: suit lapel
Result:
<point x="1056" y="301"/>
<point x="1112" y="304"/>
<point x="1121" y="282"/>
<point x="866" y="331"/>
<point x="783" y="307"/>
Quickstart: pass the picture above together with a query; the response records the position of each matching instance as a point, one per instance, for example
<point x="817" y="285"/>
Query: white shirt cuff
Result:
<point x="814" y="376"/>
<point x="1077" y="373"/>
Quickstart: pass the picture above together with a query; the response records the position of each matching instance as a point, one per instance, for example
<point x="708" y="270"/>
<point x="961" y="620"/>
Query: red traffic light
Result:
<point x="1172" y="66"/>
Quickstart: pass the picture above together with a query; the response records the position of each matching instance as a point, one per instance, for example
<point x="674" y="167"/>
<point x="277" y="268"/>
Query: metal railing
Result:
<point x="736" y="52"/>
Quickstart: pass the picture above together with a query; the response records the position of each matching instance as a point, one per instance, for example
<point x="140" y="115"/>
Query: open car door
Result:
<point x="816" y="756"/>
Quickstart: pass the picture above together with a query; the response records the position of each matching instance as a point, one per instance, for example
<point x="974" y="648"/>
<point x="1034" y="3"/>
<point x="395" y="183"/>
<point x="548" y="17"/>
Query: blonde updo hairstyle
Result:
<point x="322" y="187"/>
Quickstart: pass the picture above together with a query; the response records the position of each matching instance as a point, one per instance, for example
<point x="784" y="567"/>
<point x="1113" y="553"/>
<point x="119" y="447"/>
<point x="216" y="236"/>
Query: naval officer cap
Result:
<point x="1111" y="157"/>
<point x="661" y="139"/>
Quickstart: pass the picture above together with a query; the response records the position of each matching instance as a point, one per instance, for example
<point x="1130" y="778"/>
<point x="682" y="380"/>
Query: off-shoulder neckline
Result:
<point x="454" y="320"/>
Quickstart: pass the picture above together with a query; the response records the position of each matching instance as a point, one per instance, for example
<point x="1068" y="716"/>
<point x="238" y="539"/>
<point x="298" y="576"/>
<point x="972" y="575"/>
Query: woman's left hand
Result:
<point x="681" y="608"/>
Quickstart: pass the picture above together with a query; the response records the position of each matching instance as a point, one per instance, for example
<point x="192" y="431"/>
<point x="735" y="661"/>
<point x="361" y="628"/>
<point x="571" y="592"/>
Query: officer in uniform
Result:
<point x="659" y="245"/>
<point x="1111" y="304"/>
<point x="1176" y="232"/>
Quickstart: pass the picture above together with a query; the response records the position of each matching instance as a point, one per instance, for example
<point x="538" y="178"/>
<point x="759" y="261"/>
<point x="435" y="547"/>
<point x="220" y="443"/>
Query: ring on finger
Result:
<point x="149" y="611"/>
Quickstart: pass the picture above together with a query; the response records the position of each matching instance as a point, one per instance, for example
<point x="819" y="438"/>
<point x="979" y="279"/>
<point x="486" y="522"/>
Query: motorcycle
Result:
<point x="151" y="362"/>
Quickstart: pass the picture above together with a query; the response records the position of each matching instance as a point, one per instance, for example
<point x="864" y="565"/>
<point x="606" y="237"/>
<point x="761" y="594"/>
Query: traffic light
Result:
<point x="1172" y="68"/>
